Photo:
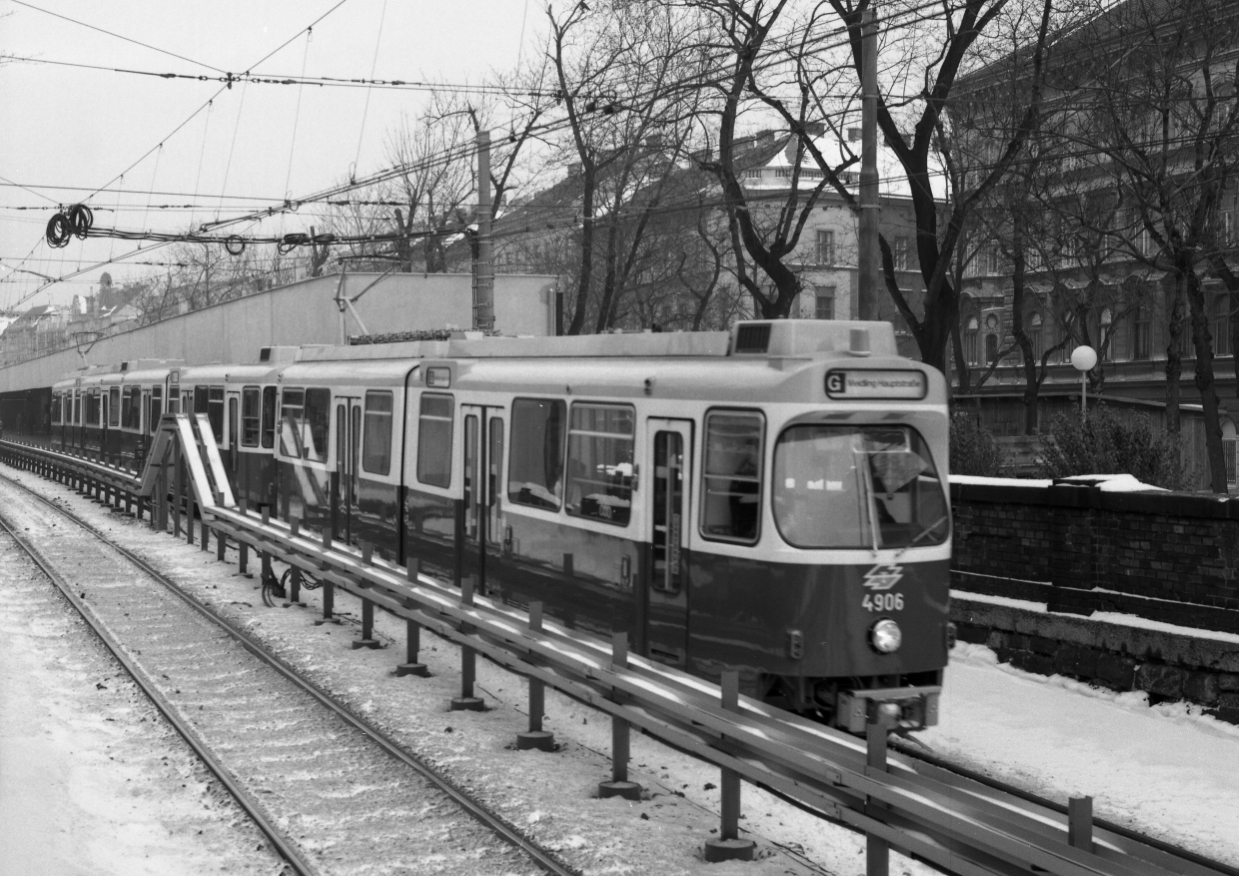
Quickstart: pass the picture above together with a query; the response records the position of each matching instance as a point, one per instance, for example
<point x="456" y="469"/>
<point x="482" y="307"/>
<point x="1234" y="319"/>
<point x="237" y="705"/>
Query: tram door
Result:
<point x="483" y="481"/>
<point x="234" y="436"/>
<point x="669" y="445"/>
<point x="345" y="517"/>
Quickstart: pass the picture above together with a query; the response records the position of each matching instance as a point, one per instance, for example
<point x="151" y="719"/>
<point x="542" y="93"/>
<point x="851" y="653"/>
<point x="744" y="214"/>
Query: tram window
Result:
<point x="156" y="408"/>
<point x="732" y="489"/>
<point x="131" y="410"/>
<point x="268" y="416"/>
<point x="77" y="408"/>
<point x="317" y="423"/>
<point x="600" y="462"/>
<point x="376" y="448"/>
<point x="114" y="406"/>
<point x="174" y="399"/>
<point x="434" y="440"/>
<point x="55" y="408"/>
<point x="856" y="486"/>
<point x="536" y="463"/>
<point x="215" y="411"/>
<point x="251" y="416"/>
<point x="292" y="408"/>
<point x="200" y="400"/>
<point x="93" y="408"/>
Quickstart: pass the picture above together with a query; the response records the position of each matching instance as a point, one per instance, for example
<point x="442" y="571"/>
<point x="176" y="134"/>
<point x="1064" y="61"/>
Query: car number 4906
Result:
<point x="883" y="602"/>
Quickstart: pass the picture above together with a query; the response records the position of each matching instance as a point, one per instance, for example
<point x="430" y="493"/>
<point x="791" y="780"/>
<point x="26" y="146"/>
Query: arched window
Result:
<point x="1103" y="337"/>
<point x="1220" y="326"/>
<point x="1034" y="335"/>
<point x="991" y="348"/>
<point x="971" y="330"/>
<point x="1229" y="448"/>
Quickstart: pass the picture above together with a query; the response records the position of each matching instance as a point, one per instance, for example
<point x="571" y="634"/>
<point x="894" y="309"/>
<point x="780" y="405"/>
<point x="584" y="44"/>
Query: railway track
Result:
<point x="974" y="800"/>
<point x="331" y="793"/>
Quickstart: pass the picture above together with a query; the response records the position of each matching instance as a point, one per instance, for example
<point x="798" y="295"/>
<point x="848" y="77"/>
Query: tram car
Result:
<point x="110" y="412"/>
<point x="771" y="500"/>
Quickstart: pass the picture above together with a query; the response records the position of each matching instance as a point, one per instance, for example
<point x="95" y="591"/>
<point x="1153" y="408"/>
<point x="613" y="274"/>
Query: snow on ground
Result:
<point x="1168" y="770"/>
<point x="91" y="781"/>
<point x="1162" y="769"/>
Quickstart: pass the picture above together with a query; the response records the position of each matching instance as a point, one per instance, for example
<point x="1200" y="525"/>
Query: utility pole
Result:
<point x="868" y="261"/>
<point x="483" y="268"/>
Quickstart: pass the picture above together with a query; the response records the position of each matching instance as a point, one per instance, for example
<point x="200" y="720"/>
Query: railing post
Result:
<point x="294" y="587"/>
<point x="468" y="659"/>
<point x="176" y="490"/>
<point x="535" y="737"/>
<point x="729" y="846"/>
<point x="367" y="639"/>
<point x="413" y="630"/>
<point x="877" y="850"/>
<point x="1080" y="823"/>
<point x="619" y="786"/>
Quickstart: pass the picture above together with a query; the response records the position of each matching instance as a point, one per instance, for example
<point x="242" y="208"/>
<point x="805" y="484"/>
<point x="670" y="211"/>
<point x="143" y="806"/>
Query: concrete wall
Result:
<point x="306" y="313"/>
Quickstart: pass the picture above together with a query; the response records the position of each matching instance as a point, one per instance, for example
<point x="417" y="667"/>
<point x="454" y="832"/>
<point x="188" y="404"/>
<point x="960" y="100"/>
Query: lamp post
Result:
<point x="1083" y="358"/>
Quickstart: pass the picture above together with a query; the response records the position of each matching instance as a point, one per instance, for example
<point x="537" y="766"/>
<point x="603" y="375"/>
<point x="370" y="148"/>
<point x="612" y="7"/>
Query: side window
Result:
<point x="292" y="408"/>
<point x="174" y="399"/>
<point x="434" y="440"/>
<point x="317" y="423"/>
<point x="536" y="461"/>
<point x="376" y="449"/>
<point x="268" y="416"/>
<point x="55" y="408"/>
<point x="77" y="408"/>
<point x="200" y="400"/>
<point x="114" y="406"/>
<point x="251" y="415"/>
<point x="156" y="408"/>
<point x="215" y="411"/>
<point x="732" y="477"/>
<point x="133" y="408"/>
<point x="93" y="408"/>
<point x="600" y="462"/>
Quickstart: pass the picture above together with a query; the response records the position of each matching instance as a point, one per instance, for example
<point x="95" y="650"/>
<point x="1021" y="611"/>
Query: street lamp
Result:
<point x="1083" y="359"/>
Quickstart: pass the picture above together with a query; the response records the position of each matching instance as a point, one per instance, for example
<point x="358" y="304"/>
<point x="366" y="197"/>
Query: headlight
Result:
<point x="885" y="636"/>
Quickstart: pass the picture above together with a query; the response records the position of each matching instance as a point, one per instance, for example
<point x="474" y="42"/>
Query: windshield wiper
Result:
<point x="924" y="532"/>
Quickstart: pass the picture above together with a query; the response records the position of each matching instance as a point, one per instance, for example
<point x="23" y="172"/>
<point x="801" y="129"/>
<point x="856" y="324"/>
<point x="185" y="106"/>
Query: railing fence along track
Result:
<point x="951" y="822"/>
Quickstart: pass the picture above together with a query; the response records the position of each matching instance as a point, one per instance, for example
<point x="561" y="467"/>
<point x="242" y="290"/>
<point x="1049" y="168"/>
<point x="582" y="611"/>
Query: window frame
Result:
<point x="569" y="479"/>
<point x="422" y="418"/>
<point x="702" y="489"/>
<point x="368" y="428"/>
<point x="514" y="443"/>
<point x="251" y="393"/>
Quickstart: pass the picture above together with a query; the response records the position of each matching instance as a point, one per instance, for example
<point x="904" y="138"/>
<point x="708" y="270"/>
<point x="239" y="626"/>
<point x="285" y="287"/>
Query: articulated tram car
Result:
<point x="772" y="501"/>
<point x="111" y="412"/>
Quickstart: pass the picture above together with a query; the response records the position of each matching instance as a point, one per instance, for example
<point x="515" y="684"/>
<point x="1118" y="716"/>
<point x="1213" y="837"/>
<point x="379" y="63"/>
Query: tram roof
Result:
<point x="766" y="339"/>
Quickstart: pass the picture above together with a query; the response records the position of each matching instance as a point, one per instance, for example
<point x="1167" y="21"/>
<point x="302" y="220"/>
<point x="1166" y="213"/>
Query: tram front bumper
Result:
<point x="903" y="708"/>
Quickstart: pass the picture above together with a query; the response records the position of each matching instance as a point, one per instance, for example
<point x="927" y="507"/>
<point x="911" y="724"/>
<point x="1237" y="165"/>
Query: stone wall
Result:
<point x="1167" y="556"/>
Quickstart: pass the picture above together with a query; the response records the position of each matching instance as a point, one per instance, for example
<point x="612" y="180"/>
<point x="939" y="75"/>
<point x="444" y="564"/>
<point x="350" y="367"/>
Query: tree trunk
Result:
<point x="1174" y="360"/>
<point x="587" y="253"/>
<point x="1205" y="383"/>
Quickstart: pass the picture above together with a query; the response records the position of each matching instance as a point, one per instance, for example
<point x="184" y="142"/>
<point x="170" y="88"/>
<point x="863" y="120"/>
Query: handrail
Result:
<point x="952" y="822"/>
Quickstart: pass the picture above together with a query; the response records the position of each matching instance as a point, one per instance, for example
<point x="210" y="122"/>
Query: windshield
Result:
<point x="857" y="487"/>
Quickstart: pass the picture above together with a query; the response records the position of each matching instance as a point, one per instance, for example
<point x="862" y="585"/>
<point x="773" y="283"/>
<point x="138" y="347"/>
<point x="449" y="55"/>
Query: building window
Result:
<point x="992" y="254"/>
<point x="991" y="349"/>
<point x="753" y="173"/>
<point x="1035" y="337"/>
<point x="824" y="303"/>
<point x="825" y="247"/>
<point x="901" y="253"/>
<point x="970" y="340"/>
<point x="1221" y="325"/>
<point x="1107" y="324"/>
<point x="1140" y="334"/>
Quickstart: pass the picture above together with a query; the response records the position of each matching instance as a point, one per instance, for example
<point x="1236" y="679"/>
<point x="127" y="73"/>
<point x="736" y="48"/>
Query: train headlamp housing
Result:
<point x="885" y="637"/>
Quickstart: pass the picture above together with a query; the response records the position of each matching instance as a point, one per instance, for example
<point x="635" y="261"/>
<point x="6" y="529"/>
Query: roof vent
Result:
<point x="264" y="355"/>
<point x="124" y="366"/>
<point x="858" y="343"/>
<point x="753" y="338"/>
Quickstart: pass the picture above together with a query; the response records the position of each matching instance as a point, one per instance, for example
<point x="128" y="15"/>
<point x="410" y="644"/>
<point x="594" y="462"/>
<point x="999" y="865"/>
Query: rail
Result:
<point x="956" y="824"/>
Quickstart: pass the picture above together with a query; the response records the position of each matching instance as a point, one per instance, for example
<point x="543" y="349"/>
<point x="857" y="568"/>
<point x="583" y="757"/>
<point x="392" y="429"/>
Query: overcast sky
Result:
<point x="80" y="128"/>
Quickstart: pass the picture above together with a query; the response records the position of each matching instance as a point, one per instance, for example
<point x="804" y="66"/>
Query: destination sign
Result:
<point x="871" y="384"/>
